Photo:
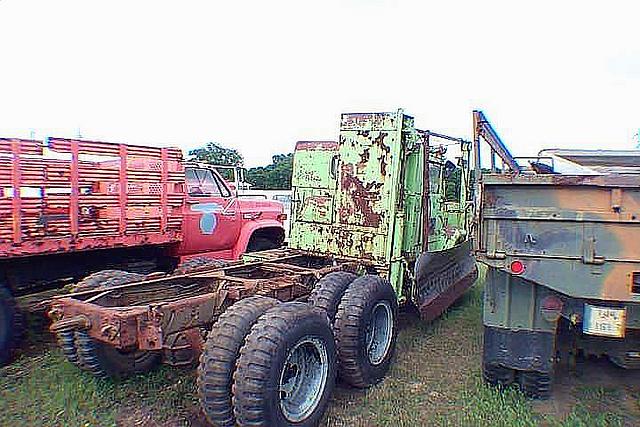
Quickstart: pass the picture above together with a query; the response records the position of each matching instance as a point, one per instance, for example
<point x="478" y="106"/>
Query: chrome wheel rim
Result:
<point x="303" y="379"/>
<point x="379" y="332"/>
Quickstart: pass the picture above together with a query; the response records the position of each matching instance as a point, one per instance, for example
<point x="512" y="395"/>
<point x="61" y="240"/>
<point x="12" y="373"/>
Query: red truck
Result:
<point x="71" y="207"/>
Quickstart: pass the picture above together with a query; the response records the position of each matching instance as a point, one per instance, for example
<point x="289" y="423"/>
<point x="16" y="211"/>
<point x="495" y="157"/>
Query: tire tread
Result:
<point x="218" y="358"/>
<point x="329" y="290"/>
<point x="347" y="328"/>
<point x="253" y="371"/>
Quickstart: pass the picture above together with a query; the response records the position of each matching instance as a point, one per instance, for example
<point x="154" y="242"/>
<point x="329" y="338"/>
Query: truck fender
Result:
<point x="247" y="231"/>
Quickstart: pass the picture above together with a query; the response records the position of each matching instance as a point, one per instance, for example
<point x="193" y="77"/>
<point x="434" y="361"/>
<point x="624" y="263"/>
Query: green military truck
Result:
<point x="379" y="218"/>
<point x="560" y="234"/>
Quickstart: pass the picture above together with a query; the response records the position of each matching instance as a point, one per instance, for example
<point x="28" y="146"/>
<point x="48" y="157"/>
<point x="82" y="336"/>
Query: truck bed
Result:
<point x="62" y="195"/>
<point x="579" y="235"/>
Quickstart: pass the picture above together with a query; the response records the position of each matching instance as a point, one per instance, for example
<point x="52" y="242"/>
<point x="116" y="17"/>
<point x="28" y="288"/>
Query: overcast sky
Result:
<point x="259" y="75"/>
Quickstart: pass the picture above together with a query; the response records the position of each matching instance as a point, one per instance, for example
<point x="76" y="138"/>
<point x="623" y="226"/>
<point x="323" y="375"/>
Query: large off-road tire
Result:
<point x="106" y="279"/>
<point x="497" y="375"/>
<point x="218" y="359"/>
<point x="68" y="340"/>
<point x="103" y="360"/>
<point x="67" y="343"/>
<point x="536" y="385"/>
<point x="287" y="368"/>
<point x="365" y="331"/>
<point x="199" y="263"/>
<point x="8" y="325"/>
<point x="328" y="291"/>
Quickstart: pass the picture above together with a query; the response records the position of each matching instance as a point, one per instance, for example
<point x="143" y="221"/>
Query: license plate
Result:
<point x="604" y="321"/>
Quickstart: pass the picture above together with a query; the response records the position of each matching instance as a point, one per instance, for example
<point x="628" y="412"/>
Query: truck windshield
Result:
<point x="203" y="183"/>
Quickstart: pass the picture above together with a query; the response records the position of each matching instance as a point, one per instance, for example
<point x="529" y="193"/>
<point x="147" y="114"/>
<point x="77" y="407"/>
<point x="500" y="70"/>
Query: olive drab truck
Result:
<point x="560" y="234"/>
<point x="372" y="227"/>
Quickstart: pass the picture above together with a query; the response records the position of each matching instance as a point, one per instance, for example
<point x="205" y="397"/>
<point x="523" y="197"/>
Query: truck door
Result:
<point x="212" y="222"/>
<point x="314" y="191"/>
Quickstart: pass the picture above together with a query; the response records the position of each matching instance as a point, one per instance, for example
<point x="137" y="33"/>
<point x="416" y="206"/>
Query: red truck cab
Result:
<point x="218" y="224"/>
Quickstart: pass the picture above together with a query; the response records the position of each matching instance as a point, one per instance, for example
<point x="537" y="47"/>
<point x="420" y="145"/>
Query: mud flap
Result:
<point x="442" y="277"/>
<point x="521" y="350"/>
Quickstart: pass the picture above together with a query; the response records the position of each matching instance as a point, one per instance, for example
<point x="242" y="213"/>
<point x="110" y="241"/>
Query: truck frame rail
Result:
<point x="167" y="313"/>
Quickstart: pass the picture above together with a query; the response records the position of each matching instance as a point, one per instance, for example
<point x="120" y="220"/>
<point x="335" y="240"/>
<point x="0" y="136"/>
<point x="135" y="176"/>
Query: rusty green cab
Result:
<point x="378" y="194"/>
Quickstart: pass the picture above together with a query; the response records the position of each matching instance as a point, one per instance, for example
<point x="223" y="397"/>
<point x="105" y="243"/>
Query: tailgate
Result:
<point x="579" y="235"/>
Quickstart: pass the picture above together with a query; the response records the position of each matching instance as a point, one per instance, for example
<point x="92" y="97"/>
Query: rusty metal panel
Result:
<point x="345" y="194"/>
<point x="314" y="185"/>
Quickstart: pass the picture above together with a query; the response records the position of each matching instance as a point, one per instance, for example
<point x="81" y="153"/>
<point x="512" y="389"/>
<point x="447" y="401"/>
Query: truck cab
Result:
<point x="378" y="194"/>
<point x="219" y="224"/>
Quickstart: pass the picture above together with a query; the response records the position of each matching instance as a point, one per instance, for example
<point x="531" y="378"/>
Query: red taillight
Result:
<point x="551" y="308"/>
<point x="517" y="267"/>
<point x="282" y="217"/>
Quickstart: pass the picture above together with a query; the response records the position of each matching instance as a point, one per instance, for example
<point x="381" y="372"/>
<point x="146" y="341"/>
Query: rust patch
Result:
<point x="364" y="159"/>
<point x="317" y="145"/>
<point x="361" y="196"/>
<point x="321" y="205"/>
<point x="382" y="160"/>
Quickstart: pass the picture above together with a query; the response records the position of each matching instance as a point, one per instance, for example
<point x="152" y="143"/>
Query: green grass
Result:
<point x="46" y="390"/>
<point x="435" y="380"/>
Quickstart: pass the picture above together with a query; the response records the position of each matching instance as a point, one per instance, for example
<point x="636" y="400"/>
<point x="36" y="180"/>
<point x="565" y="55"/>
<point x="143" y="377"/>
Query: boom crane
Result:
<point x="483" y="129"/>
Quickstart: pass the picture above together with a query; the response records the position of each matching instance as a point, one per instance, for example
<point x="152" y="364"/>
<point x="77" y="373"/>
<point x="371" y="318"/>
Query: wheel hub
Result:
<point x="303" y="379"/>
<point x="379" y="332"/>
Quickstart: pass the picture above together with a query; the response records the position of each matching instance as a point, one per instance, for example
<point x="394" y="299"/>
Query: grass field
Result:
<point x="434" y="381"/>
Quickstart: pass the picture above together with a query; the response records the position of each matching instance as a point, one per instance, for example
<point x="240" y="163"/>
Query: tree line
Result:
<point x="275" y="176"/>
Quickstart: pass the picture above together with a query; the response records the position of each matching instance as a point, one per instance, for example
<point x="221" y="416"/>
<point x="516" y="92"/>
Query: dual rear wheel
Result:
<point x="533" y="384"/>
<point x="268" y="363"/>
<point x="101" y="359"/>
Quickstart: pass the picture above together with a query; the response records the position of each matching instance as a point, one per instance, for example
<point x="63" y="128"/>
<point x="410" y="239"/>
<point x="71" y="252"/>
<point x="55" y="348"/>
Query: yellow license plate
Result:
<point x="604" y="321"/>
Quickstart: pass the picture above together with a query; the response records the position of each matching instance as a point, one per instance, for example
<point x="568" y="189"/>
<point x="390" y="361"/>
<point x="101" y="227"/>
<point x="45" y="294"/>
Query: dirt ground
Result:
<point x="605" y="387"/>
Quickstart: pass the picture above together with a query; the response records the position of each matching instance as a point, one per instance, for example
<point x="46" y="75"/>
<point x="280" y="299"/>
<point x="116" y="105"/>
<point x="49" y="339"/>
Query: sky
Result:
<point x="259" y="75"/>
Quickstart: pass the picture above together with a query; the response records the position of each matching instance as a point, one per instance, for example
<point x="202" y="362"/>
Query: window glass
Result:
<point x="227" y="174"/>
<point x="434" y="178"/>
<point x="200" y="182"/>
<point x="222" y="188"/>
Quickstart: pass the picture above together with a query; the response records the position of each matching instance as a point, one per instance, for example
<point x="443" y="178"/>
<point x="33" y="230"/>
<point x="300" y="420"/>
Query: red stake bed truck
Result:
<point x="70" y="207"/>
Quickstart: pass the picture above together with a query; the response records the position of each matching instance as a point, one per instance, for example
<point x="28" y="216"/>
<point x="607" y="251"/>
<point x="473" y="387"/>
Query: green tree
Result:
<point x="276" y="176"/>
<point x="216" y="154"/>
